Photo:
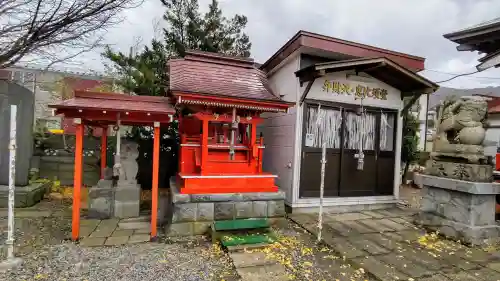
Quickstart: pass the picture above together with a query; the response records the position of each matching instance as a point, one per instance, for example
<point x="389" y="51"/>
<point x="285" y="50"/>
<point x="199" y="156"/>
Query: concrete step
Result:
<point x="274" y="272"/>
<point x="137" y="219"/>
<point x="134" y="225"/>
<point x="249" y="247"/>
<point x="242" y="260"/>
<point x="246" y="239"/>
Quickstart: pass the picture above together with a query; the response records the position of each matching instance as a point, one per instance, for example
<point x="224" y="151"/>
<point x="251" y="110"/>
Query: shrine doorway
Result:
<point x="341" y="130"/>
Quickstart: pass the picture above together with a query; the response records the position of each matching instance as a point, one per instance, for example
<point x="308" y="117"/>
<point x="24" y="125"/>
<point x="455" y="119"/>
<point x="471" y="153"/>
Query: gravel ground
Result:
<point x="151" y="261"/>
<point x="34" y="232"/>
<point x="42" y="243"/>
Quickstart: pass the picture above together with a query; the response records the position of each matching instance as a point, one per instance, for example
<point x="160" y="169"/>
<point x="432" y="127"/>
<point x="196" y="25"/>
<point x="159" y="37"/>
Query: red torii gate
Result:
<point x="103" y="109"/>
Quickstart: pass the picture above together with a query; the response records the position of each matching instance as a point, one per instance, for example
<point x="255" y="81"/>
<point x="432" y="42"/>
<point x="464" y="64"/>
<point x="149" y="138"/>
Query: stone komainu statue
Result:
<point x="458" y="151"/>
<point x="462" y="121"/>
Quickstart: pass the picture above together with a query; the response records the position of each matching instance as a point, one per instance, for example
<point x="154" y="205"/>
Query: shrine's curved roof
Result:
<point x="86" y="100"/>
<point x="214" y="74"/>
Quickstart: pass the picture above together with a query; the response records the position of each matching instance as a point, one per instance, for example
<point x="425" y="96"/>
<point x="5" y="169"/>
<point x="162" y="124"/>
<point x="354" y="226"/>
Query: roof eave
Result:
<point x="180" y="93"/>
<point x="459" y="36"/>
<point x="320" y="69"/>
<point x="303" y="34"/>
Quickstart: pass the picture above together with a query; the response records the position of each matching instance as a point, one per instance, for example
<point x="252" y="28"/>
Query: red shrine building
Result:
<point x="251" y="136"/>
<point x="223" y="96"/>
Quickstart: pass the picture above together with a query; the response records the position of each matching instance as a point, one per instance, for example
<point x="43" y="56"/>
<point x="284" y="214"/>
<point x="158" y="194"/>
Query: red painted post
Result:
<point x="77" y="184"/>
<point x="204" y="145"/>
<point x="104" y="147"/>
<point x="156" y="169"/>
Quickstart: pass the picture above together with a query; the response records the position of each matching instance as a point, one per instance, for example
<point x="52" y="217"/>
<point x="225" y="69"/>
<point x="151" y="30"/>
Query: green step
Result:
<point x="235" y="240"/>
<point x="240" y="224"/>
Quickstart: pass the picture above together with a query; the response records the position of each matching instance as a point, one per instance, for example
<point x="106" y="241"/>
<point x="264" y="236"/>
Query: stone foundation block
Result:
<point x="185" y="212"/>
<point x="126" y="209"/>
<point x="200" y="228"/>
<point x="259" y="209"/>
<point x="263" y="196"/>
<point x="475" y="235"/>
<point x="224" y="211"/>
<point x="243" y="210"/>
<point x="205" y="212"/>
<point x="25" y="196"/>
<point x="179" y="229"/>
<point x="127" y="194"/>
<point x="276" y="208"/>
<point x="460" y="209"/>
<point x="193" y="214"/>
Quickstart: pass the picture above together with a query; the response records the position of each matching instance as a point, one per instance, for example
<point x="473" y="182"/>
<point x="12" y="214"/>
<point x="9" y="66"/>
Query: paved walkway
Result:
<point x="114" y="232"/>
<point x="389" y="247"/>
<point x="375" y="245"/>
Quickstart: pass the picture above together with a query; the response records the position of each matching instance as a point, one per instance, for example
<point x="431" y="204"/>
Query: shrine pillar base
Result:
<point x="127" y="200"/>
<point x="459" y="209"/>
<point x="193" y="214"/>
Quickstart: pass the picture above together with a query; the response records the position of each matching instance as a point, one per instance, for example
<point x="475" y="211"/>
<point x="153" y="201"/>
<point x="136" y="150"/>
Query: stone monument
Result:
<point x="128" y="192"/>
<point x="101" y="197"/>
<point x="26" y="194"/>
<point x="458" y="192"/>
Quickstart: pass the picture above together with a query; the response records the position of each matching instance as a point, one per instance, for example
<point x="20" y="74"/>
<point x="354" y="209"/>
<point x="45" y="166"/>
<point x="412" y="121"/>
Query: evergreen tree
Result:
<point x="187" y="29"/>
<point x="409" y="147"/>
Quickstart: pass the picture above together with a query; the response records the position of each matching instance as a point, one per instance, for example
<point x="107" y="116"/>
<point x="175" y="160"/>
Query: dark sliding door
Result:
<point x="341" y="129"/>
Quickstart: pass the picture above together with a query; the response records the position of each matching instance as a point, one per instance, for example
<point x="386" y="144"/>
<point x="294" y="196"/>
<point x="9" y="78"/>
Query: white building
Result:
<point x="312" y="70"/>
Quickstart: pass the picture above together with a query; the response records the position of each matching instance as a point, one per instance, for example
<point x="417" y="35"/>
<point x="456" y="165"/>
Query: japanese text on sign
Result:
<point x="359" y="91"/>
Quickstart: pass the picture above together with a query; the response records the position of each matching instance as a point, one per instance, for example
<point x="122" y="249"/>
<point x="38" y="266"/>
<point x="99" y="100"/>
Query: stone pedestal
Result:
<point x="25" y="196"/>
<point x="193" y="214"/>
<point x="100" y="200"/>
<point x="127" y="200"/>
<point x="460" y="171"/>
<point x="460" y="209"/>
<point x="128" y="192"/>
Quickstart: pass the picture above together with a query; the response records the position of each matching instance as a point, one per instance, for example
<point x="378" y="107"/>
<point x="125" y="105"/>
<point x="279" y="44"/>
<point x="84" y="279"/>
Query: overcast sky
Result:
<point x="410" y="26"/>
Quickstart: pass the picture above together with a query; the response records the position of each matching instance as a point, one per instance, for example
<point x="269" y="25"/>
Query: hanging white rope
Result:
<point x="323" y="163"/>
<point x="321" y="191"/>
<point x="384" y="129"/>
<point x="362" y="135"/>
<point x="327" y="127"/>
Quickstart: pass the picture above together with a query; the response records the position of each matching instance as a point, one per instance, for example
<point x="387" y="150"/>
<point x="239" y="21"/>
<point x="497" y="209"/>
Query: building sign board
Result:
<point x="358" y="91"/>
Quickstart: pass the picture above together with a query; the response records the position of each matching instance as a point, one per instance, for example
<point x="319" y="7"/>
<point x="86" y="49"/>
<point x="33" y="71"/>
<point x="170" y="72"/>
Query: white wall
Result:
<point x="279" y="128"/>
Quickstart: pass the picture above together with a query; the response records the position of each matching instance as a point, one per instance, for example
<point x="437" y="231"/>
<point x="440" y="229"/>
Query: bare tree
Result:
<point x="55" y="30"/>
